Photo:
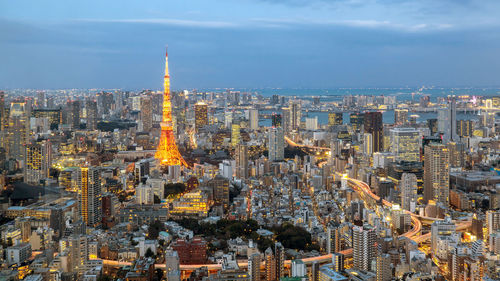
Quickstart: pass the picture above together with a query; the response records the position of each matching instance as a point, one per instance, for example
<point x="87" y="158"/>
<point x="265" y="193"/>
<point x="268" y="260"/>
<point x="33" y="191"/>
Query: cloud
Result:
<point x="363" y="24"/>
<point x="164" y="21"/>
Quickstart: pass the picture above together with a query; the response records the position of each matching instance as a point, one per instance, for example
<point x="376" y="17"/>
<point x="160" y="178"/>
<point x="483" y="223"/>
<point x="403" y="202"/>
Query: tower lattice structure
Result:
<point x="167" y="151"/>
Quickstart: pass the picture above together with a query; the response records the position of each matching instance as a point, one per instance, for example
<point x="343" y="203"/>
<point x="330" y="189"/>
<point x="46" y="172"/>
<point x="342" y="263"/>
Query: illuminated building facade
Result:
<point x="235" y="135"/>
<point x="220" y="187"/>
<point x="408" y="187"/>
<point x="405" y="144"/>
<point x="200" y="115"/>
<point x="276" y="120"/>
<point x="400" y="116"/>
<point x="373" y="125"/>
<point x="335" y="118"/>
<point x="465" y="128"/>
<point x="54" y="116"/>
<point x="437" y="173"/>
<point x="17" y="130"/>
<point x="295" y="115"/>
<point x="91" y="111"/>
<point x="89" y="197"/>
<point x="357" y="121"/>
<point x="193" y="203"/>
<point x="38" y="160"/>
<point x="241" y="157"/>
<point x="146" y="113"/>
<point x="167" y="151"/>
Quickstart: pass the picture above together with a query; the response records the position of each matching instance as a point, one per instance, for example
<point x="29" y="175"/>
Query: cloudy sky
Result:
<point x="249" y="43"/>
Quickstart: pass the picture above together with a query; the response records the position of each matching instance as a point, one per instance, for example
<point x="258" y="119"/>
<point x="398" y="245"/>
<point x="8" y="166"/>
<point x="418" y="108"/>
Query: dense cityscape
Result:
<point x="237" y="185"/>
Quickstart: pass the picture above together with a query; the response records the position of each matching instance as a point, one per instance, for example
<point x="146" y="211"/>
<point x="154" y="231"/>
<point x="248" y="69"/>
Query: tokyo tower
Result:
<point x="167" y="151"/>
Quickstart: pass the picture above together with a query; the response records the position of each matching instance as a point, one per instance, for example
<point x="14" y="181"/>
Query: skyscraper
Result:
<point x="200" y="115"/>
<point x="276" y="144"/>
<point x="367" y="144"/>
<point x="357" y="120"/>
<point x="276" y="120"/>
<point x="295" y="115"/>
<point x="363" y="240"/>
<point x="338" y="262"/>
<point x="235" y="135"/>
<point x="400" y="116"/>
<point x="405" y="144"/>
<point x="241" y="159"/>
<point x="253" y="117"/>
<point x="408" y="187"/>
<point x="146" y="113"/>
<point x="286" y="119"/>
<point x="38" y="159"/>
<point x="220" y="188"/>
<point x="447" y="121"/>
<point x="91" y="107"/>
<point x="373" y="125"/>
<point x="17" y="130"/>
<point x="335" y="118"/>
<point x="465" y="128"/>
<point x="75" y="114"/>
<point x="436" y="173"/>
<point x="89" y="197"/>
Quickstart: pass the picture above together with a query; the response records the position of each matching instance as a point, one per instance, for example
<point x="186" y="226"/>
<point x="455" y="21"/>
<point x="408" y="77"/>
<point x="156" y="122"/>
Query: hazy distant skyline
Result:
<point x="249" y="43"/>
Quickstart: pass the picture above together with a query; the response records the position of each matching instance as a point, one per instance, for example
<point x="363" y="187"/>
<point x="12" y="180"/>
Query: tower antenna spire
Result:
<point x="167" y="151"/>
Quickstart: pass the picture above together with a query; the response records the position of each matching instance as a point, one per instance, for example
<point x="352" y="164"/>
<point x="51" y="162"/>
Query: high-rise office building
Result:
<point x="235" y="135"/>
<point x="367" y="144"/>
<point x="373" y="125"/>
<point x="357" y="120"/>
<point x="405" y="144"/>
<point x="438" y="228"/>
<point x="286" y="119"/>
<point x="465" y="128"/>
<point x="89" y="197"/>
<point x="276" y="144"/>
<point x="432" y="124"/>
<point x="276" y="120"/>
<point x="408" y="187"/>
<point x="91" y="107"/>
<point x="38" y="160"/>
<point x="457" y="154"/>
<point x="200" y="115"/>
<point x="220" y="189"/>
<point x="436" y="173"/>
<point x="400" y="117"/>
<point x="447" y="121"/>
<point x="363" y="240"/>
<point x="384" y="271"/>
<point x="241" y="159"/>
<point x="3" y="118"/>
<point x="492" y="222"/>
<point x="312" y="123"/>
<point x="40" y="99"/>
<point x="333" y="238"/>
<point x="253" y="118"/>
<point x="254" y="267"/>
<point x="17" y="129"/>
<point x="146" y="113"/>
<point x="74" y="114"/>
<point x="295" y="115"/>
<point x="335" y="118"/>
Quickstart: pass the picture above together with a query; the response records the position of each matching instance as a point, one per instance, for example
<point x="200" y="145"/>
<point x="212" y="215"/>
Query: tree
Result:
<point x="154" y="229"/>
<point x="149" y="253"/>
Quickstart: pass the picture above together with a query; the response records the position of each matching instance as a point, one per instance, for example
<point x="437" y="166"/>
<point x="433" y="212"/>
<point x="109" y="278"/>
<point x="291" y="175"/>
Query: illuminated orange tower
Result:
<point x="167" y="151"/>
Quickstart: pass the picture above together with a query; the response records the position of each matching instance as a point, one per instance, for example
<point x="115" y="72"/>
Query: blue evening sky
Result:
<point x="249" y="43"/>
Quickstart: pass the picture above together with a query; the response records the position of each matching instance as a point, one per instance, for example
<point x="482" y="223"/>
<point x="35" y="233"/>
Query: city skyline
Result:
<point x="313" y="44"/>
